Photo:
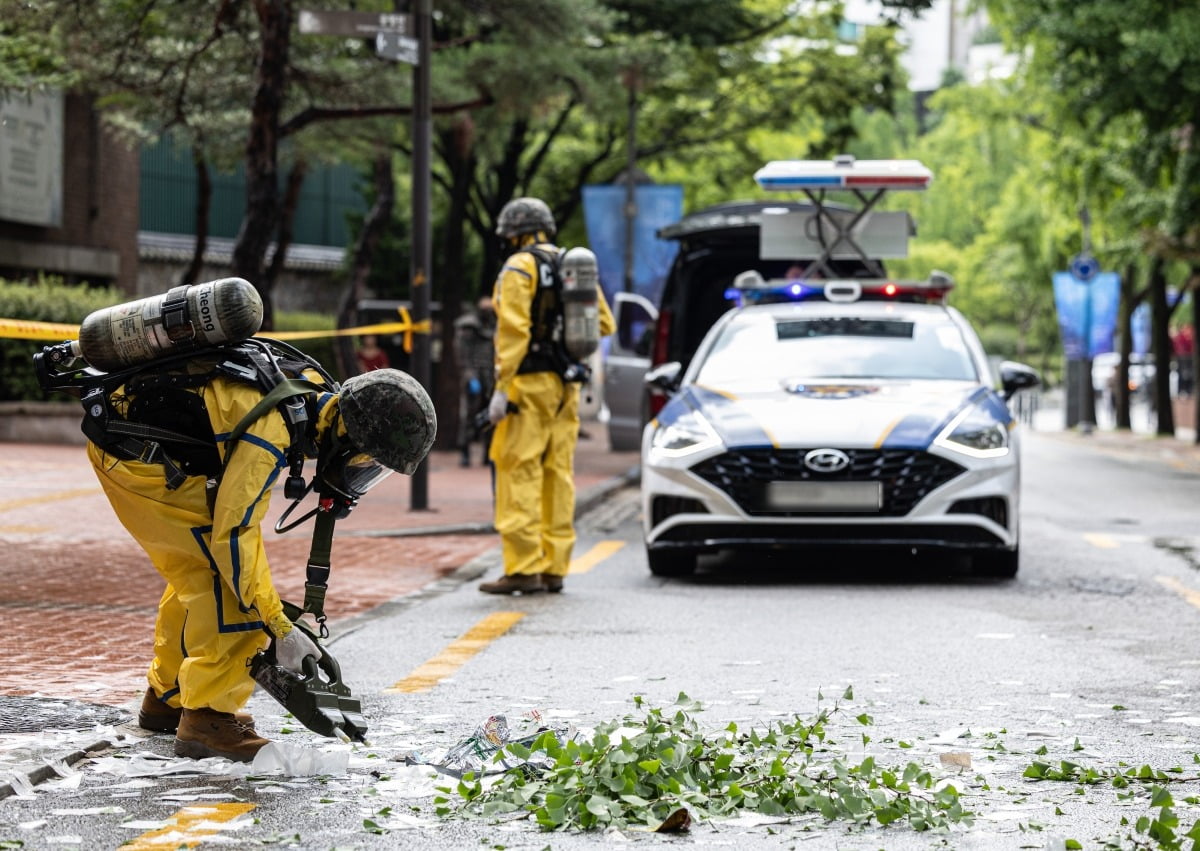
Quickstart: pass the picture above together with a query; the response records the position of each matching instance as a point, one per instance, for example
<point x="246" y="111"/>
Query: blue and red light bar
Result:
<point x="751" y="288"/>
<point x="843" y="172"/>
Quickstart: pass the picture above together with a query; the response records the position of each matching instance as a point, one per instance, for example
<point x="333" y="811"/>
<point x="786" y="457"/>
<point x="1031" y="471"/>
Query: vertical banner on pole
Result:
<point x="1087" y="313"/>
<point x="658" y="205"/>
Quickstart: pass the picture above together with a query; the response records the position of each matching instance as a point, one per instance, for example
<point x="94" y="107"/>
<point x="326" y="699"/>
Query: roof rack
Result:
<point x="838" y="233"/>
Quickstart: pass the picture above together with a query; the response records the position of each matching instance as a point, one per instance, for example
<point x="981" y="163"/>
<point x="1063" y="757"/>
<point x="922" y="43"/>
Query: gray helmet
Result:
<point x="389" y="416"/>
<point x="525" y="215"/>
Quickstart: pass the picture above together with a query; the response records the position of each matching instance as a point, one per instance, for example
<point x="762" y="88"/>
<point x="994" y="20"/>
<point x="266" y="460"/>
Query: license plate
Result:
<point x="825" y="496"/>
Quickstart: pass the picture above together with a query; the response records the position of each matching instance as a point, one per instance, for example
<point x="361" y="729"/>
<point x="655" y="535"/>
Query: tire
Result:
<point x="998" y="564"/>
<point x="671" y="562"/>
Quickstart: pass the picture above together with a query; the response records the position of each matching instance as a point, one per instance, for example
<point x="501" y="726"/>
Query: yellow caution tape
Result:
<point x="27" y="329"/>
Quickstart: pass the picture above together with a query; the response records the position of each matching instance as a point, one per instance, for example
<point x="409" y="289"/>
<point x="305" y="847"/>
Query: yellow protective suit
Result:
<point x="219" y="594"/>
<point x="534" y="450"/>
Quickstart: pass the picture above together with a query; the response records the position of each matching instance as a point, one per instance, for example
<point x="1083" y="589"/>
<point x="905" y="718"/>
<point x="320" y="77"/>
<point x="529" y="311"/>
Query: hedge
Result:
<point x="48" y="299"/>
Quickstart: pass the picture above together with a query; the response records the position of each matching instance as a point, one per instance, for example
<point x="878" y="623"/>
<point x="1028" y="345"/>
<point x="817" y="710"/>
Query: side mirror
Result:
<point x="1017" y="376"/>
<point x="664" y="378"/>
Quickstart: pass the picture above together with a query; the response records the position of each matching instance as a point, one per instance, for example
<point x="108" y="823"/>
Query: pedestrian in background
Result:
<point x="474" y="352"/>
<point x="534" y="407"/>
<point x="370" y="356"/>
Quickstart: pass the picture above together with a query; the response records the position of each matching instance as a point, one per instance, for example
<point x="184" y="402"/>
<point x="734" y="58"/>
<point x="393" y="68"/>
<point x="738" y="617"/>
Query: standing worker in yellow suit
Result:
<point x="198" y="516"/>
<point x="535" y="405"/>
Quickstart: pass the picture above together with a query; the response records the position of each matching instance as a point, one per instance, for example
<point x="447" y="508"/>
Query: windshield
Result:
<point x="764" y="347"/>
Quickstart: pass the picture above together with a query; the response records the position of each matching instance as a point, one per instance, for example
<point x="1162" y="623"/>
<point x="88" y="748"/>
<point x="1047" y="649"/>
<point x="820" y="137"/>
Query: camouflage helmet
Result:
<point x="525" y="215"/>
<point x="389" y="416"/>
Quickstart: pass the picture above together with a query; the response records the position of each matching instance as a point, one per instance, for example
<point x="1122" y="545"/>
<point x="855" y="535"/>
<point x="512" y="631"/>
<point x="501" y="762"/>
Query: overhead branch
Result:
<point x="313" y="114"/>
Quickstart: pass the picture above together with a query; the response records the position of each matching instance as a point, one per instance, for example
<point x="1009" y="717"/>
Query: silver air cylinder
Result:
<point x="581" y="306"/>
<point x="222" y="311"/>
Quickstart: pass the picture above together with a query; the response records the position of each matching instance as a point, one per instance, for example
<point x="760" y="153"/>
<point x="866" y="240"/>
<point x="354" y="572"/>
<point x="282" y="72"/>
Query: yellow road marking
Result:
<point x="11" y="504"/>
<point x="186" y="828"/>
<point x="457" y="653"/>
<point x="1101" y="542"/>
<point x="1190" y="595"/>
<point x="594" y="556"/>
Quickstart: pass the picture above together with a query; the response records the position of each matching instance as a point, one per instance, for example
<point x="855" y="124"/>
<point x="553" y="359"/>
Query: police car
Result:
<point x="870" y="419"/>
<point x="834" y="413"/>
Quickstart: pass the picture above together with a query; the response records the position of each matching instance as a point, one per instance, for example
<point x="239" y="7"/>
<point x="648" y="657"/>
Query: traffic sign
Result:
<point x="397" y="47"/>
<point x="1084" y="267"/>
<point x="363" y="24"/>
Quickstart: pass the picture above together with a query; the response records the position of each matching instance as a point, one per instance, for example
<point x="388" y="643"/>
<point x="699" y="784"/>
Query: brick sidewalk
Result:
<point x="80" y="595"/>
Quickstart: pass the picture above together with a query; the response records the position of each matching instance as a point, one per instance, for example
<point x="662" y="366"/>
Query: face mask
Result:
<point x="346" y="470"/>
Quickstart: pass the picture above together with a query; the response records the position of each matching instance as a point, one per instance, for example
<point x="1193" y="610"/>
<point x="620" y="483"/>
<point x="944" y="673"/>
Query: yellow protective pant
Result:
<point x="202" y="640"/>
<point x="534" y="454"/>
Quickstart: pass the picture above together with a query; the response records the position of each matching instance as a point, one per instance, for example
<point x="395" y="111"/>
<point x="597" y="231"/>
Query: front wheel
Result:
<point x="999" y="564"/>
<point x="671" y="562"/>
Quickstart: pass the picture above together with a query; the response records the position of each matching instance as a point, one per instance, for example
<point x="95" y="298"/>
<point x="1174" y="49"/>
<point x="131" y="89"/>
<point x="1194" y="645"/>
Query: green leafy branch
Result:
<point x="642" y="770"/>
<point x="1157" y="831"/>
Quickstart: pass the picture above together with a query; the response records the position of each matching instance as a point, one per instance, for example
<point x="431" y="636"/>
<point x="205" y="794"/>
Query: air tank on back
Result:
<point x="581" y="307"/>
<point x="187" y="317"/>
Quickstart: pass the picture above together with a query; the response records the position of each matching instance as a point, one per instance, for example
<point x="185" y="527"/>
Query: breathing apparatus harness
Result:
<point x="166" y="423"/>
<point x="547" y="344"/>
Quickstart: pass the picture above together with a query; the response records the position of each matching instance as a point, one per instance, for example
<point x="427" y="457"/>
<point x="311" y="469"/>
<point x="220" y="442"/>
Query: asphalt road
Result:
<point x="1090" y="656"/>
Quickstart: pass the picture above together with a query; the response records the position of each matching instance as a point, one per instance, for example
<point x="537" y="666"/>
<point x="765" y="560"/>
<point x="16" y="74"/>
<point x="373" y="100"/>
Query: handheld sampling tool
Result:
<point x="318" y="699"/>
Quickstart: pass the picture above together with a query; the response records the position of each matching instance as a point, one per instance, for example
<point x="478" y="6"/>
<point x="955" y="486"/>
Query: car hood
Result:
<point x="840" y="414"/>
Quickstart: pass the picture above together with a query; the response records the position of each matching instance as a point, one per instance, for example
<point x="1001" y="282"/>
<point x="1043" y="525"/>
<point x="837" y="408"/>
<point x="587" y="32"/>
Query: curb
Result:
<point x="47" y="771"/>
<point x="584" y="503"/>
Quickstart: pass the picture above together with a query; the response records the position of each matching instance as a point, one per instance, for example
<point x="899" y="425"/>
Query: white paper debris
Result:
<point x="295" y="761"/>
<point x="149" y="764"/>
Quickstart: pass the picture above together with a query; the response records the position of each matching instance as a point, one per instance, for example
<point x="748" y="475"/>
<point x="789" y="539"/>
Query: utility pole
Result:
<point x="631" y="84"/>
<point x="422" y="239"/>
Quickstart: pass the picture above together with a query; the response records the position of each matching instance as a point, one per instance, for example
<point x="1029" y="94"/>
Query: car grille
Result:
<point x="907" y="475"/>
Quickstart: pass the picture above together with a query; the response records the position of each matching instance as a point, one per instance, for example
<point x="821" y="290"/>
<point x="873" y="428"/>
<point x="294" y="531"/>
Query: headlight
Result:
<point x="689" y="434"/>
<point x="975" y="432"/>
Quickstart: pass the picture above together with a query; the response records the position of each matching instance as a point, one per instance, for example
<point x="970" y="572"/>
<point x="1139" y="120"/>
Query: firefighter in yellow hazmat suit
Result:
<point x="220" y="605"/>
<point x="535" y="407"/>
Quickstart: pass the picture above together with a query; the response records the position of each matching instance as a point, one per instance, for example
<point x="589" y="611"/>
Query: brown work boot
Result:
<point x="206" y="732"/>
<point x="552" y="582"/>
<point x="514" y="583"/>
<point x="160" y="717"/>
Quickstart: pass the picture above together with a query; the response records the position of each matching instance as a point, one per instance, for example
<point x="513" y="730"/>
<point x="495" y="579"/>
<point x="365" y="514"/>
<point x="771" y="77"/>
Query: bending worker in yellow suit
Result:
<point x="533" y="449"/>
<point x="220" y="606"/>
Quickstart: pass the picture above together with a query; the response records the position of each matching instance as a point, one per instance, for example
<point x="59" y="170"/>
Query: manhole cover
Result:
<point x="35" y="714"/>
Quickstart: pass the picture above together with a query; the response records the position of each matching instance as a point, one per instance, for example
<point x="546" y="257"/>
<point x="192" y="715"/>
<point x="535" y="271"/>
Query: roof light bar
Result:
<point x="750" y="287"/>
<point x="843" y="172"/>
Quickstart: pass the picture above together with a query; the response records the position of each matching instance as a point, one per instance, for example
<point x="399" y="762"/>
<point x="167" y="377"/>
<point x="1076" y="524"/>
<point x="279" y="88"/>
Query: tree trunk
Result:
<point x="374" y="225"/>
<point x="287" y="218"/>
<point x="1195" y="357"/>
<point x="456" y="146"/>
<point x="1120" y="388"/>
<point x="262" y="149"/>
<point x="203" y="203"/>
<point x="1160" y="317"/>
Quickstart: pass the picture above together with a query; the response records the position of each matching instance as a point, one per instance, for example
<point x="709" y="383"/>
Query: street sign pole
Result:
<point x="422" y="240"/>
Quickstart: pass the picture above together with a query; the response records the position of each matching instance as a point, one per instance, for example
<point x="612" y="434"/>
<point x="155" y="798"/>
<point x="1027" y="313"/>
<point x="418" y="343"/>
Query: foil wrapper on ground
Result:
<point x="477" y="754"/>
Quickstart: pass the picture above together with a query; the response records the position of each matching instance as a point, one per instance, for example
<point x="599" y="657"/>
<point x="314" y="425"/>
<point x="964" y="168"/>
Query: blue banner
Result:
<point x="1087" y="311"/>
<point x="657" y="205"/>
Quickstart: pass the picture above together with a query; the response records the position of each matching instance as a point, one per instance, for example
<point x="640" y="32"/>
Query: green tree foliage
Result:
<point x="1130" y="60"/>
